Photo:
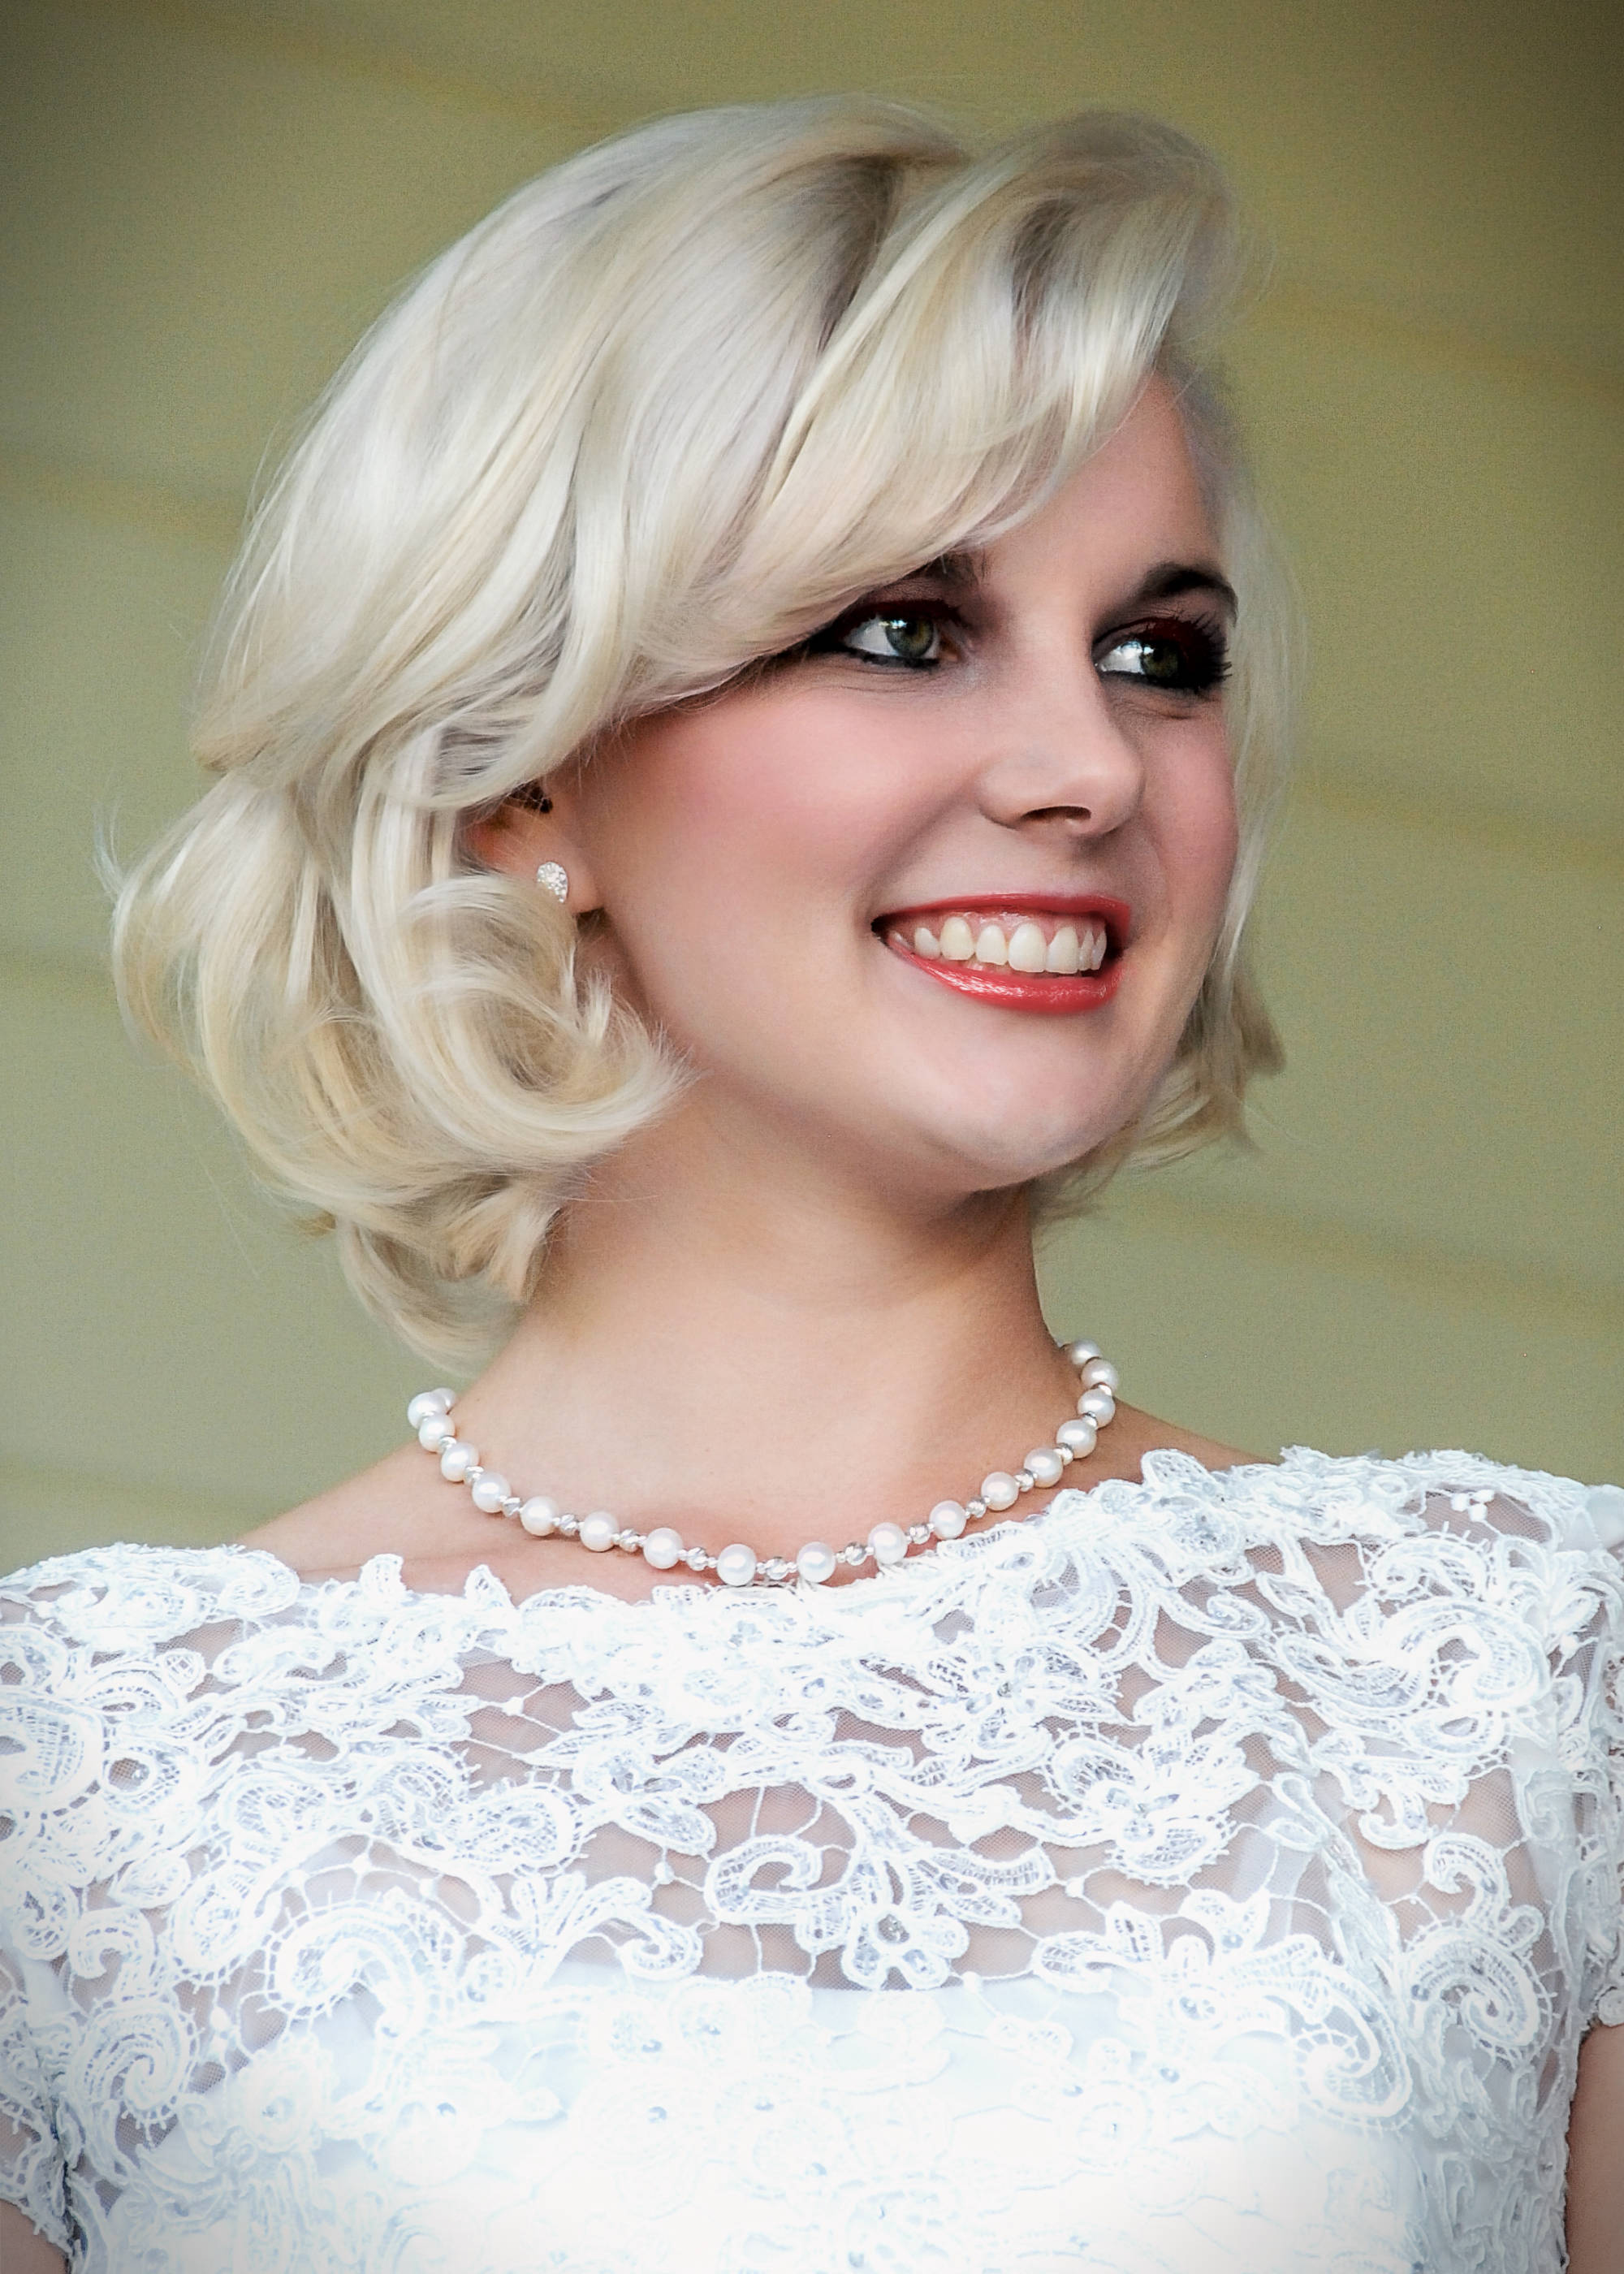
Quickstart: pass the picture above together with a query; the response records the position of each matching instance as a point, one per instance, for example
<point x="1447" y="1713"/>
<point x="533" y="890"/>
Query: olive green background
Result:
<point x="206" y="201"/>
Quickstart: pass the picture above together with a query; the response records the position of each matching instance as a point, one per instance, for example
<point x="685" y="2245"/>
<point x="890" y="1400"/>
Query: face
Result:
<point x="932" y="896"/>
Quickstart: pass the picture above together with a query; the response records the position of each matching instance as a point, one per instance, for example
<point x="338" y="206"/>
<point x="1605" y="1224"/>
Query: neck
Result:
<point x="770" y="1358"/>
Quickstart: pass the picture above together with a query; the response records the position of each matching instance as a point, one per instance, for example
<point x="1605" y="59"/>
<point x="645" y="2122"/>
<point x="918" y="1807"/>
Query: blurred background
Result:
<point x="206" y="200"/>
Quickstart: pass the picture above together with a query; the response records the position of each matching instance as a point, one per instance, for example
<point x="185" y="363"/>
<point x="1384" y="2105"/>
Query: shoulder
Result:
<point x="1376" y="1529"/>
<point x="1522" y="1560"/>
<point x="1428" y="1488"/>
<point x="1466" y="1503"/>
<point x="94" y="1643"/>
<point x="1135" y="1433"/>
<point x="398" y="1507"/>
<point x="131" y="1598"/>
<point x="1439" y="1603"/>
<point x="1456" y="1492"/>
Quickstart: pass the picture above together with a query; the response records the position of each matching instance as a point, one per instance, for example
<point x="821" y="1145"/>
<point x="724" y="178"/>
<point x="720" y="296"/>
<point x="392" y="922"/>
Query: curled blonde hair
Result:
<point x="658" y="416"/>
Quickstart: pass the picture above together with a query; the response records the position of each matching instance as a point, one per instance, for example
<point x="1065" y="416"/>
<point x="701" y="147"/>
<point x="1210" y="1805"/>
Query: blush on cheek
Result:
<point x="1213" y="835"/>
<point x="1199" y="844"/>
<point x="1226" y="848"/>
<point x="732" y="784"/>
<point x="783" y="793"/>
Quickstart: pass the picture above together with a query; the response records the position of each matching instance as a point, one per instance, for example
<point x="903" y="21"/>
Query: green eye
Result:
<point x="912" y="639"/>
<point x="1158" y="660"/>
<point x="1185" y="658"/>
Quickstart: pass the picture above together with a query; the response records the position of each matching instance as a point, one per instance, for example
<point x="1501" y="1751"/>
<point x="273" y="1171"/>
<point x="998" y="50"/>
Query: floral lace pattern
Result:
<point x="1211" y="1875"/>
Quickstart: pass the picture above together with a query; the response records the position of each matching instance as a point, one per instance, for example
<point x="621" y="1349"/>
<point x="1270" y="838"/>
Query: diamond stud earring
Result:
<point x="554" y="877"/>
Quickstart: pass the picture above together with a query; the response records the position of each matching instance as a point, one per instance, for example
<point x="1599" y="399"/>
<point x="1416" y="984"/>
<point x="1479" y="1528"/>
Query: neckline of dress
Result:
<point x="897" y="1587"/>
<point x="926" y="1583"/>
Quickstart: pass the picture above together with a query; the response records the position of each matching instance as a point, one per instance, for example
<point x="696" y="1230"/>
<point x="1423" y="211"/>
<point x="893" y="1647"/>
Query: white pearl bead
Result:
<point x="598" y="1531"/>
<point x="947" y="1519"/>
<point x="888" y="1543"/>
<point x="456" y="1459"/>
<point x="1098" y="1405"/>
<point x="1078" y="1437"/>
<point x="1000" y="1489"/>
<point x="1079" y="1353"/>
<point x="539" y="1515"/>
<point x="816" y="1563"/>
<point x="735" y="1566"/>
<point x="664" y="1547"/>
<point x="1044" y="1466"/>
<point x="427" y="1402"/>
<point x="489" y="1492"/>
<point x="1100" y="1374"/>
<point x="433" y="1431"/>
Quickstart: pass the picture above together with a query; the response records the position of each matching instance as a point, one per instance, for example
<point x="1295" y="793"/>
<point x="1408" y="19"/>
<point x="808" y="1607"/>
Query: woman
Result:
<point x="742" y="741"/>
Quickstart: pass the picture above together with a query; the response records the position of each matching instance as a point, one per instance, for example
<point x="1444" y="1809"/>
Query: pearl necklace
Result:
<point x="739" y="1566"/>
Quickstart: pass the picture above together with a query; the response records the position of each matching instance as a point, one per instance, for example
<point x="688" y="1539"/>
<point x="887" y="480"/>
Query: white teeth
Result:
<point x="1028" y="948"/>
<point x="1022" y="946"/>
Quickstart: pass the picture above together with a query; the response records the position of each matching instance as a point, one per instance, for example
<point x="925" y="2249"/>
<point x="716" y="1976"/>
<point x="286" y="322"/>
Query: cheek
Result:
<point x="1201" y="836"/>
<point x="769" y="802"/>
<point x="1221" y="838"/>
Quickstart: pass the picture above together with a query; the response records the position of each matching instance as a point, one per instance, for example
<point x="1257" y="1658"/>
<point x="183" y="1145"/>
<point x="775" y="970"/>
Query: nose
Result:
<point x="1059" y="760"/>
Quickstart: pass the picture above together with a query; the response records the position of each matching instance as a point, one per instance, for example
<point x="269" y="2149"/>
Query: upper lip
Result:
<point x="1115" y="915"/>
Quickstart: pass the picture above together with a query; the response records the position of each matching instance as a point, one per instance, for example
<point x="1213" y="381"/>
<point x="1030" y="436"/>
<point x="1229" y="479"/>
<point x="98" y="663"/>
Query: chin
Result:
<point x="1016" y="1150"/>
<point x="1030" y="1121"/>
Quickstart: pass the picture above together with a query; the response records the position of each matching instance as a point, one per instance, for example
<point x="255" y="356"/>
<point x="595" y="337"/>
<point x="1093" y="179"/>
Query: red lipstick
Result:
<point x="1052" y="994"/>
<point x="1115" y="915"/>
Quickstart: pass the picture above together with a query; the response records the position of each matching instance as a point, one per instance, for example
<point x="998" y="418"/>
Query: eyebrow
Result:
<point x="1168" y="580"/>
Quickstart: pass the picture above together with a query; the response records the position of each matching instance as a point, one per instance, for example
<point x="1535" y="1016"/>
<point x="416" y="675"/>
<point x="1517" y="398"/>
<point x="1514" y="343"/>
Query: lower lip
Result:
<point x="1050" y="994"/>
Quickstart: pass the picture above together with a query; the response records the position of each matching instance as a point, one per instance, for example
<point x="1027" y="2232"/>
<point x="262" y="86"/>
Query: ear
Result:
<point x="519" y="836"/>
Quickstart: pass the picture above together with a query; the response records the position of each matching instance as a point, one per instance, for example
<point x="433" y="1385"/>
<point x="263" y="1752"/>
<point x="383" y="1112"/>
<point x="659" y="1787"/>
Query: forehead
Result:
<point x="1138" y="497"/>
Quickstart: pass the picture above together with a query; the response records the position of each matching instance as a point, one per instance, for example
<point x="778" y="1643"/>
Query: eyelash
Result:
<point x="832" y="640"/>
<point x="1201" y="640"/>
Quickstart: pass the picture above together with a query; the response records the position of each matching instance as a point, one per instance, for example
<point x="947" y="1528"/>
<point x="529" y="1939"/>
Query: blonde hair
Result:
<point x="658" y="416"/>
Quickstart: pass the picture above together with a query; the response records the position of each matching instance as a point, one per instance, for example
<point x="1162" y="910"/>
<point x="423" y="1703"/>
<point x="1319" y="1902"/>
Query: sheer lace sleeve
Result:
<point x="32" y="2167"/>
<point x="1605" y="1507"/>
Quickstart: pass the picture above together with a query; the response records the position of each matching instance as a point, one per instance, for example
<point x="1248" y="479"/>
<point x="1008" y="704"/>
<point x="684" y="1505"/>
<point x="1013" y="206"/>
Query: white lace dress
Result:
<point x="1212" y="1873"/>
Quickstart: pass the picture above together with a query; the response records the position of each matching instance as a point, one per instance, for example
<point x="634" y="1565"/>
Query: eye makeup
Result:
<point x="918" y="624"/>
<point x="1175" y="655"/>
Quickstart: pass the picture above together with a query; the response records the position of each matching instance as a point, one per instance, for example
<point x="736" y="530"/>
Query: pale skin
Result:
<point x="805" y="1299"/>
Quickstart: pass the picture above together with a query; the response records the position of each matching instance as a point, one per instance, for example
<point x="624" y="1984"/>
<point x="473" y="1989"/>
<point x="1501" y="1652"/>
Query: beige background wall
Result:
<point x="206" y="200"/>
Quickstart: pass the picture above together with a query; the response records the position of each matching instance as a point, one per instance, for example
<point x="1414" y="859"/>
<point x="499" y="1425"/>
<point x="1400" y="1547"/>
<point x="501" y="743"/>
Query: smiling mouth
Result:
<point x="1059" y="955"/>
